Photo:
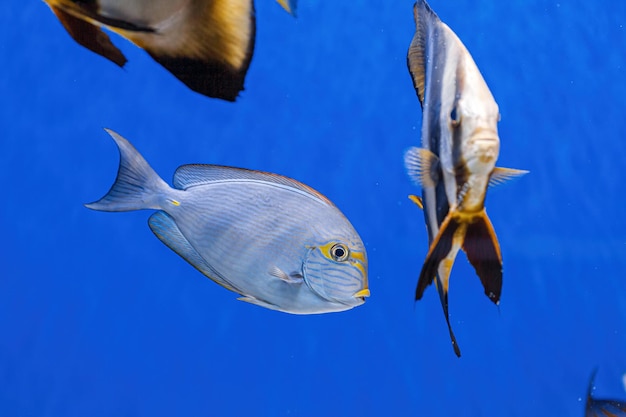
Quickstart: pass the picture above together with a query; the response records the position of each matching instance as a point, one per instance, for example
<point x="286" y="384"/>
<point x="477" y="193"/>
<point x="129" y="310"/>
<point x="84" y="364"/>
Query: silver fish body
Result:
<point x="207" y="44"/>
<point x="275" y="241"/>
<point x="460" y="146"/>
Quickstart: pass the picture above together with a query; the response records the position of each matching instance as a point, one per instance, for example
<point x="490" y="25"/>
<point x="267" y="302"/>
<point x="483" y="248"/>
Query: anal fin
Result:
<point x="89" y="36"/>
<point x="165" y="228"/>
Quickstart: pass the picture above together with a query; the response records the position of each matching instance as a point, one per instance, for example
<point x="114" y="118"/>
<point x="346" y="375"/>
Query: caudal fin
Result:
<point x="483" y="251"/>
<point x="137" y="185"/>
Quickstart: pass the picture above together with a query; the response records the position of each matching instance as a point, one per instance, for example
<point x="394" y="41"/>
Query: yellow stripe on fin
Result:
<point x="417" y="200"/>
<point x="289" y="6"/>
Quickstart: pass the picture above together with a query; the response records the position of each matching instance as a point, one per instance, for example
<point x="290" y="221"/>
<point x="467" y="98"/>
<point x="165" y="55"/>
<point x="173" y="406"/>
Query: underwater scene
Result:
<point x="313" y="208"/>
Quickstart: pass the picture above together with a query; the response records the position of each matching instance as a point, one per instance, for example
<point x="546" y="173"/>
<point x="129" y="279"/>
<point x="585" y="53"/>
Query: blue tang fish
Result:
<point x="456" y="163"/>
<point x="207" y="44"/>
<point x="276" y="242"/>
<point x="602" y="407"/>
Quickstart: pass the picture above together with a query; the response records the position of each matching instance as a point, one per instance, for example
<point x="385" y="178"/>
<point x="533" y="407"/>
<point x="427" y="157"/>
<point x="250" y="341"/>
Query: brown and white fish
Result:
<point x="456" y="162"/>
<point x="207" y="44"/>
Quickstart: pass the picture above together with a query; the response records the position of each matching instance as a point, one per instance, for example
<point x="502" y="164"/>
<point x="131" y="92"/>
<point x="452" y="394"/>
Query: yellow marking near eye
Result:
<point x="325" y="249"/>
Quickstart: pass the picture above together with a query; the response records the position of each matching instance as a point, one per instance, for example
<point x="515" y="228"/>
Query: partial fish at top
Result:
<point x="207" y="44"/>
<point x="273" y="240"/>
<point x="602" y="407"/>
<point x="456" y="163"/>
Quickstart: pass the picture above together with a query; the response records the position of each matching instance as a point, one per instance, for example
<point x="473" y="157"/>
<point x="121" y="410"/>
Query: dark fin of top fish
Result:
<point x="602" y="408"/>
<point x="426" y="38"/>
<point x="207" y="44"/>
<point x="89" y="36"/>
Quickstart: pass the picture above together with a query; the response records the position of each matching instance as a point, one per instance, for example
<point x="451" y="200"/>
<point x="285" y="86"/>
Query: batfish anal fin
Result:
<point x="289" y="5"/>
<point x="293" y="278"/>
<point x="483" y="252"/>
<point x="417" y="200"/>
<point x="90" y="36"/>
<point x="502" y="175"/>
<point x="416" y="56"/>
<point x="422" y="166"/>
<point x="165" y="228"/>
<point x="439" y="250"/>
<point x="443" y="297"/>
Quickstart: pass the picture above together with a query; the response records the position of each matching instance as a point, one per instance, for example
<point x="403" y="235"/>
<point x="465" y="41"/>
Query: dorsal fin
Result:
<point x="417" y="54"/>
<point x="187" y="176"/>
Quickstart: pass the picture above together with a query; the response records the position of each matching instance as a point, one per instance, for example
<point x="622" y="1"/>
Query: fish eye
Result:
<point x="454" y="117"/>
<point x="339" y="252"/>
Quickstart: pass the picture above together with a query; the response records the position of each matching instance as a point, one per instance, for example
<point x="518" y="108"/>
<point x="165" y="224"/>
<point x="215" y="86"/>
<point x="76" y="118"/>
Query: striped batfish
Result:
<point x="602" y="407"/>
<point x="275" y="241"/>
<point x="207" y="44"/>
<point x="456" y="162"/>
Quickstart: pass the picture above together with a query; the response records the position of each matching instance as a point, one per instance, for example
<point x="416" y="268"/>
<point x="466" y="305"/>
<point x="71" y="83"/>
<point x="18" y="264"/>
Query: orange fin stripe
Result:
<point x="483" y="251"/>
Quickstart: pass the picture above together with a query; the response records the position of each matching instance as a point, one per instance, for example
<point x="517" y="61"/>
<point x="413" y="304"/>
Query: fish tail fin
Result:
<point x="483" y="251"/>
<point x="137" y="185"/>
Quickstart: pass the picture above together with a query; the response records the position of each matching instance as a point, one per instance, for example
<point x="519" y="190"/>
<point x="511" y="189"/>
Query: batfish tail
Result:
<point x="137" y="185"/>
<point x="473" y="233"/>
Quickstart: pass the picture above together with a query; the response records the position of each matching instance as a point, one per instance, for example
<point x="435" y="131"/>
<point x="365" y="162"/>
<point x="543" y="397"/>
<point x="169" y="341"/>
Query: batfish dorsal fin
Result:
<point x="193" y="175"/>
<point x="425" y="18"/>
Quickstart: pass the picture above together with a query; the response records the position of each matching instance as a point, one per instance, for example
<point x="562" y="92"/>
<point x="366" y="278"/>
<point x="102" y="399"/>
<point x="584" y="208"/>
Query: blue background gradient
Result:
<point x="99" y="318"/>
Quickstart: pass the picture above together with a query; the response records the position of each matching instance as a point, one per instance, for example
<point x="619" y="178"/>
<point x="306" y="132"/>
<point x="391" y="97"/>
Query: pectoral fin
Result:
<point x="89" y="36"/>
<point x="483" y="251"/>
<point x="293" y="278"/>
<point x="502" y="175"/>
<point x="423" y="166"/>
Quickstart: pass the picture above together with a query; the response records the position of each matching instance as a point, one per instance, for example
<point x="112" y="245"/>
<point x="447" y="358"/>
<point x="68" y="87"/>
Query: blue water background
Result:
<point x="98" y="318"/>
